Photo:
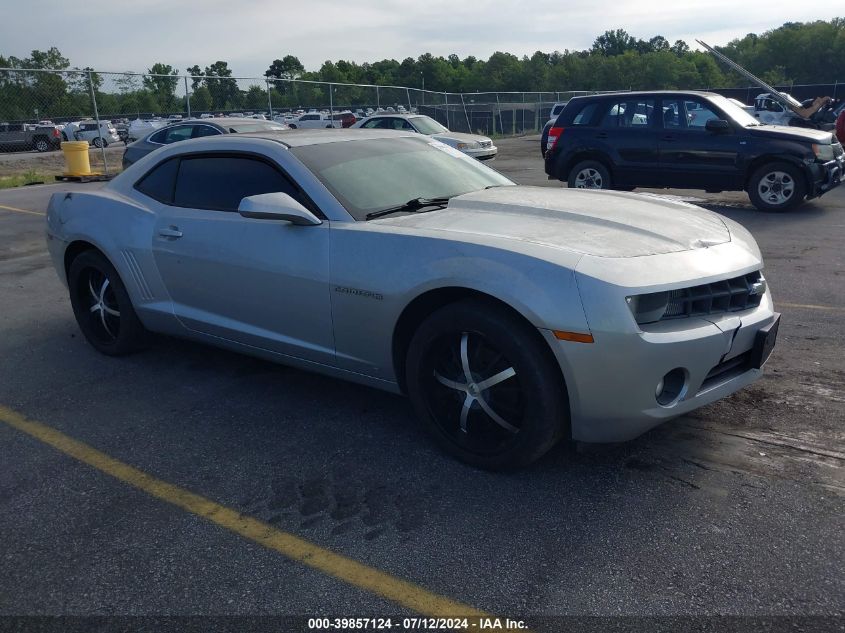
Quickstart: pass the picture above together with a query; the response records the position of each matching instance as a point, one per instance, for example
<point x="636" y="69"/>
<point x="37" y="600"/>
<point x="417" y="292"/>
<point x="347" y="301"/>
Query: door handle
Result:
<point x="668" y="137"/>
<point x="172" y="232"/>
<point x="601" y="135"/>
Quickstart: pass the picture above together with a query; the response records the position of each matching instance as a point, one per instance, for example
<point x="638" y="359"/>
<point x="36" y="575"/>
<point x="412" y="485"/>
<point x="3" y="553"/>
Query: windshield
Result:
<point x="375" y="174"/>
<point x="258" y="126"/>
<point x="427" y="125"/>
<point x="734" y="111"/>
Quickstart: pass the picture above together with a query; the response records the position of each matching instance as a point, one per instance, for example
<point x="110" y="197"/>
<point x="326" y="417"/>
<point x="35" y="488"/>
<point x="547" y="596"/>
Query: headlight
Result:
<point x="823" y="153"/>
<point x="472" y="145"/>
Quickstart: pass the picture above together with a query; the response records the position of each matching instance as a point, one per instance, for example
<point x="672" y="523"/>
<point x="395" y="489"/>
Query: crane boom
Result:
<point x="785" y="100"/>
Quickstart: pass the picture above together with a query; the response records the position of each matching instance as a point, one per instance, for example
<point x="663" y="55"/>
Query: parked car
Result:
<point x="346" y="118"/>
<point x="689" y="140"/>
<point x="314" y="120"/>
<point x="196" y="128"/>
<point x="512" y="316"/>
<point x="20" y="136"/>
<point x="139" y="128"/>
<point x="473" y="145"/>
<point x="557" y="108"/>
<point x="100" y="134"/>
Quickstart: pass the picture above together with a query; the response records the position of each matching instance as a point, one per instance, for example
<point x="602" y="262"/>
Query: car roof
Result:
<point x="645" y="93"/>
<point x="300" y="138"/>
<point x="397" y="115"/>
<point x="221" y="120"/>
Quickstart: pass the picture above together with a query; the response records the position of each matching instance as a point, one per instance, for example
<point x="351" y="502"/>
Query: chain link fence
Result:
<point x="40" y="108"/>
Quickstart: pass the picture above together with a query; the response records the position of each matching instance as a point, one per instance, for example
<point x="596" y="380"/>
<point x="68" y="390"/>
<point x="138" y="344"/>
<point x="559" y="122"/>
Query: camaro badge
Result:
<point x="358" y="292"/>
<point x="757" y="288"/>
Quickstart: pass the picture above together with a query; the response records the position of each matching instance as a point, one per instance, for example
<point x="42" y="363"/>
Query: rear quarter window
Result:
<point x="159" y="182"/>
<point x="583" y="114"/>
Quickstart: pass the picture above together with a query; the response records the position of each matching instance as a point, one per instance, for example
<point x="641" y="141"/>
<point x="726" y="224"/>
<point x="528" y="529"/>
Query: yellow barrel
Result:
<point x="76" y="158"/>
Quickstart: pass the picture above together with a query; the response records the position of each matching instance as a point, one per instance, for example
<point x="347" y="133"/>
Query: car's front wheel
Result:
<point x="589" y="174"/>
<point x="485" y="385"/>
<point x="42" y="144"/>
<point x="102" y="306"/>
<point x="777" y="187"/>
<point x="99" y="142"/>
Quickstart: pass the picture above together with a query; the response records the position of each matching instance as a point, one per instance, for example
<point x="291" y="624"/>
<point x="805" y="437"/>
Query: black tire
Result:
<point x="42" y="144"/>
<point x="530" y="403"/>
<point x="589" y="174"/>
<point x="292" y="126"/>
<point x="99" y="142"/>
<point x="102" y="306"/>
<point x="777" y="187"/>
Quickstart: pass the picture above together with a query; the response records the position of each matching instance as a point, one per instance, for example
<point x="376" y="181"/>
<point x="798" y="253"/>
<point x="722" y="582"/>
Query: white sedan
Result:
<point x="474" y="145"/>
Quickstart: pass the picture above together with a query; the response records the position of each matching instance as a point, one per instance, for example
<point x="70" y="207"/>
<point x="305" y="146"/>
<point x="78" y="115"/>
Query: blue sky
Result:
<point x="250" y="34"/>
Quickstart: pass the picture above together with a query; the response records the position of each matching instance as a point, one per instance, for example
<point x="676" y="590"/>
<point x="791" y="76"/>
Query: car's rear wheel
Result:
<point x="777" y="187"/>
<point x="102" y="306"/>
<point x="589" y="174"/>
<point x="42" y="144"/>
<point x="484" y="386"/>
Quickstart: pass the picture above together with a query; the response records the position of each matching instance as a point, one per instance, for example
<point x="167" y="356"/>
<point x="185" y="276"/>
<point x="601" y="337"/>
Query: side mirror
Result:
<point x="717" y="126"/>
<point x="277" y="206"/>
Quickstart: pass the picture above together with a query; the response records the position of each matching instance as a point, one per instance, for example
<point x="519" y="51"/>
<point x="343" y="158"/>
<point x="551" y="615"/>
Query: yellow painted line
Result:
<point x="395" y="589"/>
<point x="16" y="210"/>
<point x="808" y="306"/>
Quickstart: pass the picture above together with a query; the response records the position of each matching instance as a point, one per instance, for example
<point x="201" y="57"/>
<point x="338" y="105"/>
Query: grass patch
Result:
<point x="30" y="177"/>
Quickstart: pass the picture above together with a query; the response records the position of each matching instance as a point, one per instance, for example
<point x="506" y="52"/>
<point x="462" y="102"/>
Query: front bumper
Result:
<point x="826" y="176"/>
<point x="483" y="153"/>
<point x="612" y="382"/>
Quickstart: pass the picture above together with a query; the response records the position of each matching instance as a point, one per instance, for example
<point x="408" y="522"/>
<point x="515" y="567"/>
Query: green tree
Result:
<point x="161" y="82"/>
<point x="201" y="99"/>
<point x="289" y="67"/>
<point x="225" y="94"/>
<point x="196" y="76"/>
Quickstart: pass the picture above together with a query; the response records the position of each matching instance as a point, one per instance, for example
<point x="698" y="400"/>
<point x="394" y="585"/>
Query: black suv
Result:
<point x="689" y="140"/>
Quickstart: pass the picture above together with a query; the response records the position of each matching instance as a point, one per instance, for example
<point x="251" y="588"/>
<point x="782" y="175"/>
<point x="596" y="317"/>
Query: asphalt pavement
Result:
<point x="734" y="510"/>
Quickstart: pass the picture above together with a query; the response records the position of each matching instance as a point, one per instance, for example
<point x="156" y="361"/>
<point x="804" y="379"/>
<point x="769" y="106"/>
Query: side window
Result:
<point x="205" y="130"/>
<point x="159" y="182"/>
<point x="586" y="114"/>
<point x="221" y="182"/>
<point x="698" y="114"/>
<point x="629" y="113"/>
<point x="177" y="133"/>
<point x="373" y="123"/>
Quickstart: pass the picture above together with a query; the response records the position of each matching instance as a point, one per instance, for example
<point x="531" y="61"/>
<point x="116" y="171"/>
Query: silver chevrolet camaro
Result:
<point x="512" y="316"/>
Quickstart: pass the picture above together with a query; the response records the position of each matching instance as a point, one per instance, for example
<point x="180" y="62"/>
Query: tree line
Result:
<point x="811" y="52"/>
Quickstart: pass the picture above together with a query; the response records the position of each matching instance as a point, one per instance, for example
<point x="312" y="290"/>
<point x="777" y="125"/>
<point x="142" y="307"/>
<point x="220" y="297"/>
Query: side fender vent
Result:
<point x="137" y="275"/>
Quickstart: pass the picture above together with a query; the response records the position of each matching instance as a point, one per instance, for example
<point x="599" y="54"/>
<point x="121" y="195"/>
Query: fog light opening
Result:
<point x="671" y="387"/>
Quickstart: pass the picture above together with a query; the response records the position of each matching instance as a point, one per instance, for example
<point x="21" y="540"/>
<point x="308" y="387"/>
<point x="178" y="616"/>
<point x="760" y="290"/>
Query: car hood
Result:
<point x="443" y="137"/>
<point x="808" y="135"/>
<point x="599" y="223"/>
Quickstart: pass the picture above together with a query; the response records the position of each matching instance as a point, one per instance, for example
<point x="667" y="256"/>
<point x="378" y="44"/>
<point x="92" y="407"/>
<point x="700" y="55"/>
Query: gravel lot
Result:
<point x="736" y="510"/>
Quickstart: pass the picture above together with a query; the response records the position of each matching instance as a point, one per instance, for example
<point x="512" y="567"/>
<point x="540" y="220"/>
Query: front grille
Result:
<point x="728" y="295"/>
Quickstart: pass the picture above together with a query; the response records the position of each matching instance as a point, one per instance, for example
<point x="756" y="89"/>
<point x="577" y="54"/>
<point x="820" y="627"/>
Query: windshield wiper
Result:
<point x="412" y="205"/>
